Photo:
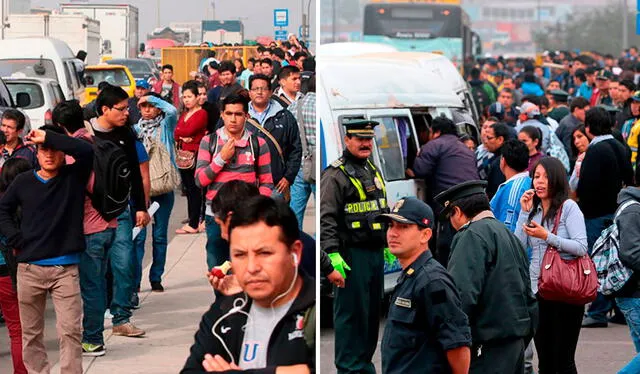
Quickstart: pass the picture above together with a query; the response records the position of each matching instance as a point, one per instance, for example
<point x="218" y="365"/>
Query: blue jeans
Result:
<point x="122" y="259"/>
<point x="300" y="192"/>
<point x="217" y="248"/>
<point x="160" y="240"/>
<point x="630" y="307"/>
<point x="93" y="287"/>
<point x="601" y="305"/>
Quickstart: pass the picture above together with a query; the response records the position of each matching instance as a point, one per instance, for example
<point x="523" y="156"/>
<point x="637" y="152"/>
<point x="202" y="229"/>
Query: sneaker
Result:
<point x="157" y="287"/>
<point x="93" y="350"/>
<point x="127" y="329"/>
<point x="618" y="319"/>
<point x="589" y="322"/>
<point x="135" y="301"/>
<point x="107" y="314"/>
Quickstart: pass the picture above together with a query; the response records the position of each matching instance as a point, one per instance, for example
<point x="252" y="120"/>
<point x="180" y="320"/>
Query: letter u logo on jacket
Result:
<point x="250" y="352"/>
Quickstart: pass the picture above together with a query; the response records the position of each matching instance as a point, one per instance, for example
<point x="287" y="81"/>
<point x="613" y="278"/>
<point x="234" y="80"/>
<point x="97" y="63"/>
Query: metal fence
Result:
<point x="187" y="59"/>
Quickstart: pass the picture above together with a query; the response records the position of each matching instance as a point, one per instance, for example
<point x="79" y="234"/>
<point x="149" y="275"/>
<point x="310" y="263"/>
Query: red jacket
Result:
<point x="195" y="127"/>
<point x="157" y="88"/>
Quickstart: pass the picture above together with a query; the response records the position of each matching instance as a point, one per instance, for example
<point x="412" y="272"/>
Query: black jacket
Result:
<point x="606" y="167"/>
<point x="629" y="229"/>
<point x="283" y="126"/>
<point x="284" y="348"/>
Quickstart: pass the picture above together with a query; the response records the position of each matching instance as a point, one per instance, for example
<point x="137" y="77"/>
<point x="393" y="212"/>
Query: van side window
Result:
<point x="67" y="76"/>
<point x="392" y="139"/>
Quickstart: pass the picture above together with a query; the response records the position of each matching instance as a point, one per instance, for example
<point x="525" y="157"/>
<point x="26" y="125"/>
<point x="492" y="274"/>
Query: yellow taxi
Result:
<point x="117" y="75"/>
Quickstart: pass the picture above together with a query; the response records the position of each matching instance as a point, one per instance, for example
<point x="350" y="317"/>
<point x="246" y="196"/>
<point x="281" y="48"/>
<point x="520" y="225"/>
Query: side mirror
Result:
<point x="89" y="80"/>
<point x="142" y="47"/>
<point x="23" y="100"/>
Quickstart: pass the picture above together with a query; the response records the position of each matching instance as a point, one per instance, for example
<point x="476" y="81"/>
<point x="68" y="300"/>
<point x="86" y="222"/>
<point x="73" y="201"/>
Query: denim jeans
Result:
<point x="160" y="232"/>
<point x="600" y="306"/>
<point x="300" y="192"/>
<point x="630" y="307"/>
<point x="93" y="287"/>
<point x="122" y="262"/>
<point x="217" y="248"/>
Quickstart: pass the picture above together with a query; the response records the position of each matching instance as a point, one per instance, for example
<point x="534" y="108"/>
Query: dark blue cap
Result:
<point x="411" y="211"/>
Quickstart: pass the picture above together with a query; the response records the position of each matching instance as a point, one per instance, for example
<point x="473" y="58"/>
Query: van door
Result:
<point x="74" y="80"/>
<point x="395" y="138"/>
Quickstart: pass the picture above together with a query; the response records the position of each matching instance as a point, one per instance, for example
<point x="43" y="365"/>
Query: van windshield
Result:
<point x="116" y="77"/>
<point x="34" y="68"/>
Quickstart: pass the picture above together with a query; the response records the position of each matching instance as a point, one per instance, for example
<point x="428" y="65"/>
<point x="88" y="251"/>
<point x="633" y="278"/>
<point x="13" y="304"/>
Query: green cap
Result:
<point x="361" y="128"/>
<point x="455" y="193"/>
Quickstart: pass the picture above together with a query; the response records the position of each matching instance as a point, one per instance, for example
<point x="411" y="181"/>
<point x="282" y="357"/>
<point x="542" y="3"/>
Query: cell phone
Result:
<point x="529" y="224"/>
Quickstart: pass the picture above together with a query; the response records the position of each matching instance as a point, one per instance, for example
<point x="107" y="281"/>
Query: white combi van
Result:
<point x="403" y="96"/>
<point x="43" y="58"/>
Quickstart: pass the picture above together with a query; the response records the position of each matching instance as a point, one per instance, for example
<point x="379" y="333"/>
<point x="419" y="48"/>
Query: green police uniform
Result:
<point x="561" y="110"/>
<point x="352" y="195"/>
<point x="491" y="271"/>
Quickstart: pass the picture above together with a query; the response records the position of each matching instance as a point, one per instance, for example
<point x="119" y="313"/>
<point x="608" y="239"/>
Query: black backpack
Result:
<point x="112" y="186"/>
<point x="480" y="97"/>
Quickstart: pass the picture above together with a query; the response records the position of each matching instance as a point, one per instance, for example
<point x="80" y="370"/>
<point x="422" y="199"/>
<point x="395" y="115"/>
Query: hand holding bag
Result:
<point x="569" y="281"/>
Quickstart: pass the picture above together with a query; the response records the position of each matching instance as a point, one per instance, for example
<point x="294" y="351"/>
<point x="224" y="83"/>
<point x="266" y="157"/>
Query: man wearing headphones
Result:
<point x="269" y="326"/>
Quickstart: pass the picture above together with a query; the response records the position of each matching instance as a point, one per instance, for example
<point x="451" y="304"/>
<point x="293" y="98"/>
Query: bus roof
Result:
<point x="371" y="82"/>
<point x="352" y="49"/>
<point x="451" y="2"/>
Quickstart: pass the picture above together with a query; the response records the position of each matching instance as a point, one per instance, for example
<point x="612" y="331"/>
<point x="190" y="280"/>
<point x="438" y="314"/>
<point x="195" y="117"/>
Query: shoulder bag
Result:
<point x="568" y="281"/>
<point x="184" y="159"/>
<point x="163" y="175"/>
<point x="286" y="194"/>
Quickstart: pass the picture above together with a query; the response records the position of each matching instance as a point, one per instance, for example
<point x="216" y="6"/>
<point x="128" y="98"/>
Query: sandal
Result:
<point x="186" y="229"/>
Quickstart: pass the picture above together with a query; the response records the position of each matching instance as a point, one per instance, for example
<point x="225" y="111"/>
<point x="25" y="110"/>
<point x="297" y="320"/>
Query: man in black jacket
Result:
<point x="270" y="121"/>
<point x="605" y="169"/>
<point x="269" y="324"/>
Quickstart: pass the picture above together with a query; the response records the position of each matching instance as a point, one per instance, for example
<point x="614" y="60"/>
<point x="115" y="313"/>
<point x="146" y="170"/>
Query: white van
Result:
<point x="402" y="96"/>
<point x="43" y="58"/>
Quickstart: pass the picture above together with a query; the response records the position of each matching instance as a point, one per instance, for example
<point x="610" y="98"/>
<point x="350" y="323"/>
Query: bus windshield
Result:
<point x="412" y="21"/>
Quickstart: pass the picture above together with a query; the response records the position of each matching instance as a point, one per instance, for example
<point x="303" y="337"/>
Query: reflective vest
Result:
<point x="359" y="215"/>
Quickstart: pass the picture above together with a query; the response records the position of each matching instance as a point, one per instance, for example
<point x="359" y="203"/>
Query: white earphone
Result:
<point x="295" y="259"/>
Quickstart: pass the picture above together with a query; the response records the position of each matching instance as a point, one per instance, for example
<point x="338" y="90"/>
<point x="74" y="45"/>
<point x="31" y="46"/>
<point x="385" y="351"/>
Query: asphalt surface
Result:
<point x="600" y="351"/>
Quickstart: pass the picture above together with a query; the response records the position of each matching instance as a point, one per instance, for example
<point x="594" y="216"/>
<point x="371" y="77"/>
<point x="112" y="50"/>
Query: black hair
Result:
<point x="297" y="55"/>
<point x="574" y="149"/>
<point x="507" y="90"/>
<point x="154" y="94"/>
<point x="581" y="74"/>
<point x="241" y="62"/>
<point x="53" y="128"/>
<point x="501" y="130"/>
<point x="69" y="115"/>
<point x="628" y="84"/>
<point x="443" y="125"/>
<point x="515" y="155"/>
<point x="252" y="60"/>
<point x="534" y="133"/>
<point x="598" y="121"/>
<point x="110" y="96"/>
<point x="262" y="48"/>
<point x="267" y="61"/>
<point x="475" y="73"/>
<point x="230" y="195"/>
<point x="309" y="64"/>
<point x="15" y="115"/>
<point x="287" y="71"/>
<point x="10" y="170"/>
<point x="236" y="98"/>
<point x="270" y="211"/>
<point x="227" y="66"/>
<point x="167" y="66"/>
<point x="532" y="99"/>
<point x="557" y="187"/>
<point x="472" y="205"/>
<point x="579" y="103"/>
<point x="211" y="54"/>
<point x="529" y="77"/>
<point x="192" y="86"/>
<point x="256" y="77"/>
<point x="102" y="85"/>
<point x="311" y="83"/>
<point x="278" y="53"/>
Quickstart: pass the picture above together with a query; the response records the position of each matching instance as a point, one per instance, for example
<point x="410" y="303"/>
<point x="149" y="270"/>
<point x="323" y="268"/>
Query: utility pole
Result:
<point x="625" y="24"/>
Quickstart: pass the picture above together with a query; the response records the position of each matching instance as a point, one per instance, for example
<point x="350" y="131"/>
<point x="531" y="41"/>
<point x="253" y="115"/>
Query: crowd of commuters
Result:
<point x="73" y="192"/>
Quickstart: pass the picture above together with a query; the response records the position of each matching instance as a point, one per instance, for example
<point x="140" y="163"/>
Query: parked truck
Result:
<point x="78" y="31"/>
<point x="222" y="32"/>
<point x="118" y="26"/>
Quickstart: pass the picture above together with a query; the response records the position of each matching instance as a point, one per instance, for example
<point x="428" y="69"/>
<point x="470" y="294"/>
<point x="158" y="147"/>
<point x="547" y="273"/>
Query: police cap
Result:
<point x="411" y="211"/>
<point x="361" y="128"/>
<point x="560" y="95"/>
<point x="455" y="193"/>
<point x="604" y="75"/>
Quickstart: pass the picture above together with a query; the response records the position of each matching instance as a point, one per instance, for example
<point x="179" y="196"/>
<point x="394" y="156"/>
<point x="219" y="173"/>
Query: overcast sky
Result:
<point x="257" y="15"/>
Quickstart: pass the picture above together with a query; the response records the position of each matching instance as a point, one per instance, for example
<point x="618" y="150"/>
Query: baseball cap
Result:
<point x="142" y="84"/>
<point x="411" y="211"/>
<point x="530" y="109"/>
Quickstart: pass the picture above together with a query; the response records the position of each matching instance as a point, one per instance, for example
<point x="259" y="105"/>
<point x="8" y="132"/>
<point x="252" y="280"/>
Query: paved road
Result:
<point x="170" y="318"/>
<point x="600" y="351"/>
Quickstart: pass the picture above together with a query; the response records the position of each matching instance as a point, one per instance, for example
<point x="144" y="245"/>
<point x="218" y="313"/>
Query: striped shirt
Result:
<point x="212" y="171"/>
<point x="505" y="204"/>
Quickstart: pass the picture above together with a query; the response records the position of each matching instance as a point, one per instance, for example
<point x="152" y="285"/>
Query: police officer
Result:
<point x="490" y="269"/>
<point x="560" y="107"/>
<point x="426" y="330"/>
<point x="352" y="196"/>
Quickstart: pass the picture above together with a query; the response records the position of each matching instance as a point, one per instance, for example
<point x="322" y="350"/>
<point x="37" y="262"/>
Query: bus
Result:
<point x="438" y="26"/>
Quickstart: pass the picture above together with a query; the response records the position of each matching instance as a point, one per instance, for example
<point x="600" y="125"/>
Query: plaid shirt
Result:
<point x="308" y="103"/>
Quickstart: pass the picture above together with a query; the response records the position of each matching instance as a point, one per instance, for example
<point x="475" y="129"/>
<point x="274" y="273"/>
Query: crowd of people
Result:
<point x="77" y="196"/>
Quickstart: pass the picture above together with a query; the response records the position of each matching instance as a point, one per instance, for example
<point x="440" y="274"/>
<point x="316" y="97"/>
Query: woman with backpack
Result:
<point x="8" y="271"/>
<point x="155" y="130"/>
<point x="191" y="128"/>
<point x="548" y="218"/>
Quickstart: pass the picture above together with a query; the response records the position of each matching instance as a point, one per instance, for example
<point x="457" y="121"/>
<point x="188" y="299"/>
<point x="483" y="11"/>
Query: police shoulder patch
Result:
<point x="337" y="163"/>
